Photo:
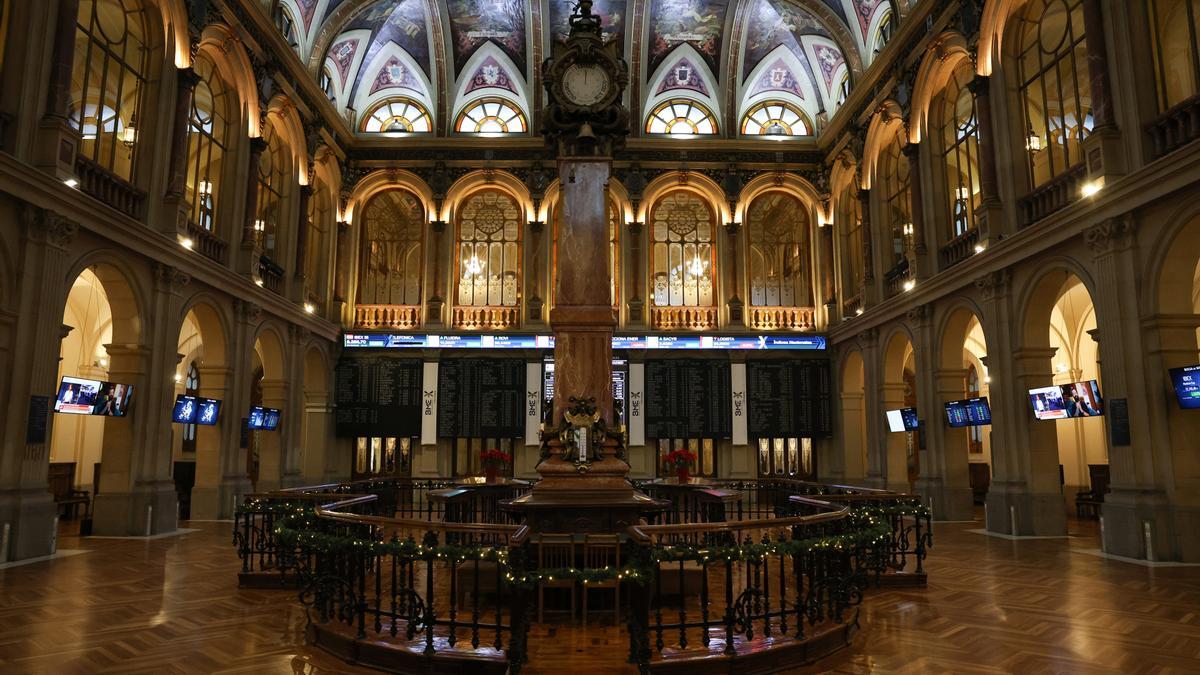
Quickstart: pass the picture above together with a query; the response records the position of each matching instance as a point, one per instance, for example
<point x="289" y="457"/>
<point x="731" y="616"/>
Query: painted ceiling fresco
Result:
<point x="431" y="48"/>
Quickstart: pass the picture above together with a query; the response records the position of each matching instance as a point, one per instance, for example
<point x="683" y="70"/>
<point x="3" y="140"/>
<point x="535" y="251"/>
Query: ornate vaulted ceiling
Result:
<point x="737" y="61"/>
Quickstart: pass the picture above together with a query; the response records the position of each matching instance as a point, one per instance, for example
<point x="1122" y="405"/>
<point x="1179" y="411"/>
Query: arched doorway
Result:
<point x="963" y="453"/>
<point x="203" y="371"/>
<point x="270" y="390"/>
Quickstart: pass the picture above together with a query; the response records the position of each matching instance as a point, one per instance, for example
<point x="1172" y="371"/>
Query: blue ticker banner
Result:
<point x="482" y="341"/>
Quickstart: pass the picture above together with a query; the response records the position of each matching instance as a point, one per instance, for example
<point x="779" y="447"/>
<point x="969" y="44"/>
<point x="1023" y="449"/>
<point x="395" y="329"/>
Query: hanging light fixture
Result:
<point x="474" y="266"/>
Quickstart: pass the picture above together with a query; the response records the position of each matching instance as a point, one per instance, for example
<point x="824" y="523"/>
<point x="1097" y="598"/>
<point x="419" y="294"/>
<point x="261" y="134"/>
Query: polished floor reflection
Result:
<point x="172" y="605"/>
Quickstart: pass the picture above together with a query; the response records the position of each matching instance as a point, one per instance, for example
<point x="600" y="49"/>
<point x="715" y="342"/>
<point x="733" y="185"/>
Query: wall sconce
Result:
<point x="858" y="312"/>
<point x="128" y="135"/>
<point x="1033" y="142"/>
<point x="205" y="187"/>
<point x="979" y="248"/>
<point x="186" y="243"/>
<point x="908" y="229"/>
<point x="260" y="225"/>
<point x="1091" y="187"/>
<point x="310" y="308"/>
<point x="909" y="285"/>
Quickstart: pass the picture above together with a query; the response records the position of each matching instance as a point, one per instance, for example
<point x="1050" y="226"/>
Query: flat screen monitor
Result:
<point x="264" y="419"/>
<point x="81" y="396"/>
<point x="194" y="410"/>
<point x="971" y="412"/>
<point x="1187" y="386"/>
<point x="1060" y="402"/>
<point x="904" y="419"/>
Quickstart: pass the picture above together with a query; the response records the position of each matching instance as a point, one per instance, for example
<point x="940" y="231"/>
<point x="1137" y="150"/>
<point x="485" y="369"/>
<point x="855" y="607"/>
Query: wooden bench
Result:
<point x="61" y="479"/>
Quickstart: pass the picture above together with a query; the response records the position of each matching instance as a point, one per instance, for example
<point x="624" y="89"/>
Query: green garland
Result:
<point x="298" y="527"/>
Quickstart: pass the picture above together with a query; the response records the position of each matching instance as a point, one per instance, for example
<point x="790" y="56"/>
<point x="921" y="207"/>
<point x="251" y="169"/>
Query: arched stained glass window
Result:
<point x="775" y="118"/>
<point x="491" y="116"/>
<point x="777" y="226"/>
<point x="397" y="115"/>
<point x="682" y="231"/>
<point x="681" y="117"/>
<point x="208" y="132"/>
<point x="1054" y="85"/>
<point x="107" y="80"/>
<point x="489" y="249"/>
<point x="1174" y="25"/>
<point x="960" y="139"/>
<point x="393" y="249"/>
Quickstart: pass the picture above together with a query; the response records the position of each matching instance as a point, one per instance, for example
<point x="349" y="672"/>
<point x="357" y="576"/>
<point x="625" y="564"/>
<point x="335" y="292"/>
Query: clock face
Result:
<point x="586" y="85"/>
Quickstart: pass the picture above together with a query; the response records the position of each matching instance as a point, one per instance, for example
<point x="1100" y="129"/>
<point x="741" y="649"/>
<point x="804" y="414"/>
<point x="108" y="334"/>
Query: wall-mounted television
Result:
<point x="195" y="410"/>
<point x="1060" y="402"/>
<point x="263" y="419"/>
<point x="81" y="396"/>
<point x="1187" y="386"/>
<point x="971" y="412"/>
<point x="904" y="419"/>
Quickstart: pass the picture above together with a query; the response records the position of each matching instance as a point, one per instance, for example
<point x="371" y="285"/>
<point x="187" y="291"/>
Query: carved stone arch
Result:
<point x="215" y="324"/>
<point x="125" y="288"/>
<point x="782" y="181"/>
<point x="992" y="30"/>
<point x="221" y="45"/>
<point x="883" y="123"/>
<point x="942" y="58"/>
<point x="1040" y="293"/>
<point x="384" y="180"/>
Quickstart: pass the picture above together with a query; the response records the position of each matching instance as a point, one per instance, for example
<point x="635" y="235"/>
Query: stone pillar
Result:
<point x="537" y="268"/>
<point x="136" y="466"/>
<point x="828" y="282"/>
<point x="292" y="423"/>
<point x="210" y="444"/>
<point x="302" y="226"/>
<point x="919" y="259"/>
<point x="735" y="304"/>
<point x="1146" y="472"/>
<point x="1102" y="148"/>
<point x="175" y="198"/>
<point x="341" y="271"/>
<point x="25" y="501"/>
<point x="864" y="200"/>
<point x="945" y="477"/>
<point x="249" y="236"/>
<point x="896" y="444"/>
<point x="437" y="298"/>
<point x="853" y="469"/>
<point x="271" y="444"/>
<point x="637" y="275"/>
<point x="873" y="433"/>
<point x="57" y="140"/>
<point x="988" y="215"/>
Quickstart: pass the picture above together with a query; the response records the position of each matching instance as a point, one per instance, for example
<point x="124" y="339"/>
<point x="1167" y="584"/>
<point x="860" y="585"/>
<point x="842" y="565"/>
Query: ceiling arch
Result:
<point x="432" y="48"/>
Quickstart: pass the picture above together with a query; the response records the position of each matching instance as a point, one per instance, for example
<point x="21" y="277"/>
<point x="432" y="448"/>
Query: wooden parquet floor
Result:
<point x="993" y="606"/>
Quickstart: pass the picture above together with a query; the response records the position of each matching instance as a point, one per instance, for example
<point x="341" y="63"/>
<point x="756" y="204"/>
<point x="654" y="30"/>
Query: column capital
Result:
<point x="170" y="279"/>
<point x="247" y="312"/>
<point x="635" y="227"/>
<point x="536" y="226"/>
<point x="732" y="228"/>
<point x="48" y="227"/>
<point x="1111" y="234"/>
<point x="994" y="285"/>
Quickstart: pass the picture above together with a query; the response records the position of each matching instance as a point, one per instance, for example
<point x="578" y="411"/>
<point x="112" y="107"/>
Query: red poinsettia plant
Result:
<point x="680" y="458"/>
<point x="494" y="457"/>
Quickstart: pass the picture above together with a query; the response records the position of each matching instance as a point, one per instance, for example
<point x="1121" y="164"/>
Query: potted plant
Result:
<point x="493" y="460"/>
<point x="681" y="460"/>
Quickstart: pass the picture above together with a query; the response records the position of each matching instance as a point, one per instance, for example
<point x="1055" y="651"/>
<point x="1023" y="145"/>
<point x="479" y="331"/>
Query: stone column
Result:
<point x="175" y="198"/>
<point x="341" y="270"/>
<point x="533" y="306"/>
<point x="1146" y="472"/>
<point x="249" y="239"/>
<point x="302" y="226"/>
<point x="989" y="214"/>
<point x="920" y="259"/>
<point x="136" y="468"/>
<point x="292" y="423"/>
<point x="873" y="433"/>
<point x="853" y="469"/>
<point x="828" y="282"/>
<point x="636" y="275"/>
<point x="895" y="463"/>
<point x="1102" y="148"/>
<point x="437" y="299"/>
<point x="864" y="200"/>
<point x="36" y="343"/>
<point x="210" y="444"/>
<point x="736" y="318"/>
<point x="271" y="444"/>
<point x="58" y="141"/>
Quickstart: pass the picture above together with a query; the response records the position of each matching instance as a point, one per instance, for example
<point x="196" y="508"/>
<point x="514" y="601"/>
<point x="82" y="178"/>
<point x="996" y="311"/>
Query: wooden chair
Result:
<point x="555" y="551"/>
<point x="601" y="551"/>
<point x="1087" y="504"/>
<point x="61" y="477"/>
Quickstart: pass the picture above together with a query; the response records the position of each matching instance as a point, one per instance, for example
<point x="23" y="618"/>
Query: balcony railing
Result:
<point x="206" y="243"/>
<point x="683" y="318"/>
<point x="485" y="318"/>
<point x="781" y="318"/>
<point x="271" y="274"/>
<point x="1053" y="196"/>
<point x="402" y="317"/>
<point x="117" y="192"/>
<point x="1176" y="127"/>
<point x="959" y="248"/>
<point x="852" y="305"/>
<point x="895" y="277"/>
